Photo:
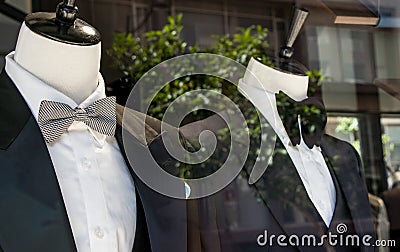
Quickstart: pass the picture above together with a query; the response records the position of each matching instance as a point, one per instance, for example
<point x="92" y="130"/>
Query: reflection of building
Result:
<point x="392" y="147"/>
<point x="353" y="56"/>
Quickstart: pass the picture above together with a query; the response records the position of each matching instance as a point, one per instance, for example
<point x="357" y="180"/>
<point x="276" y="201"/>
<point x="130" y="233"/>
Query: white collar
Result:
<point x="265" y="102"/>
<point x="35" y="91"/>
<point x="295" y="86"/>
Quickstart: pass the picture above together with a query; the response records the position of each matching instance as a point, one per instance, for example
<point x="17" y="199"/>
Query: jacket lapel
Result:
<point x="13" y="110"/>
<point x="284" y="194"/>
<point x="345" y="164"/>
<point x="165" y="217"/>
<point x="32" y="211"/>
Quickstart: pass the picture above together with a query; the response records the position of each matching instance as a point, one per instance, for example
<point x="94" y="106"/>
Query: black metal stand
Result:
<point x="63" y="25"/>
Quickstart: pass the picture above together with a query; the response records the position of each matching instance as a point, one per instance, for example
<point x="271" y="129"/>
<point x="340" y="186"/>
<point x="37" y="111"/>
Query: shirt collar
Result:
<point x="34" y="91"/>
<point x="303" y="146"/>
<point x="265" y="102"/>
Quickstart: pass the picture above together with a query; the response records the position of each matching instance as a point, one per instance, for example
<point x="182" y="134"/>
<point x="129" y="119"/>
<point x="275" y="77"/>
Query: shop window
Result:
<point x="345" y="128"/>
<point x="391" y="142"/>
<point x="199" y="28"/>
<point x="345" y="54"/>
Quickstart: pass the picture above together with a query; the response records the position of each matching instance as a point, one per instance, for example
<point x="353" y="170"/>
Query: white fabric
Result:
<point x="95" y="182"/>
<point x="256" y="70"/>
<point x="309" y="163"/>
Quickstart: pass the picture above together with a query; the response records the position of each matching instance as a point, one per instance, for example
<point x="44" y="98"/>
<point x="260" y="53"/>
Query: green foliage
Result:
<point x="316" y="77"/>
<point x="242" y="46"/>
<point x="349" y="126"/>
<point x="134" y="56"/>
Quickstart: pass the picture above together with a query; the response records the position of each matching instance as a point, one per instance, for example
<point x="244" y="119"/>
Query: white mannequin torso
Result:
<point x="95" y="183"/>
<point x="71" y="69"/>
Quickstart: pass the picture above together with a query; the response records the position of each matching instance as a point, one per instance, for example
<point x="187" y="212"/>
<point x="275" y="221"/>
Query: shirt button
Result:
<point x="99" y="232"/>
<point x="86" y="164"/>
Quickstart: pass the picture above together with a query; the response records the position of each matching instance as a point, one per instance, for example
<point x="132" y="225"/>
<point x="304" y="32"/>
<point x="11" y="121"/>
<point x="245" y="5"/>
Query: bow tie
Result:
<point x="56" y="117"/>
<point x="312" y="115"/>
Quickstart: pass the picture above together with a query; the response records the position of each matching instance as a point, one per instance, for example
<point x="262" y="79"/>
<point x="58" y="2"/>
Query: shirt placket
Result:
<point x="100" y="231"/>
<point x="320" y="186"/>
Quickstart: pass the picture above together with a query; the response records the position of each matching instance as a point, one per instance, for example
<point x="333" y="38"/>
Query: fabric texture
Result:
<point x="56" y="117"/>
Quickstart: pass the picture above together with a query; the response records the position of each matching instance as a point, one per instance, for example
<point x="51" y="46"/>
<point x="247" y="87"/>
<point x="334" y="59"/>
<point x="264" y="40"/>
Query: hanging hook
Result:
<point x="298" y="20"/>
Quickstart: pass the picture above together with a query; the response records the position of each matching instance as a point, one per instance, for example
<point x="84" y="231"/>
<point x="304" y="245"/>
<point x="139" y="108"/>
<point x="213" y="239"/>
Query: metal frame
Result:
<point x="11" y="11"/>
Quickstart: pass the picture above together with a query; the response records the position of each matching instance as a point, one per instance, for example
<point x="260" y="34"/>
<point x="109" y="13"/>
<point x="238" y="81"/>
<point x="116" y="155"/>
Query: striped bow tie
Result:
<point x="56" y="117"/>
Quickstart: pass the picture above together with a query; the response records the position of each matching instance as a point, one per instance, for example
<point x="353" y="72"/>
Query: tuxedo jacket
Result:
<point x="32" y="212"/>
<point x="278" y="203"/>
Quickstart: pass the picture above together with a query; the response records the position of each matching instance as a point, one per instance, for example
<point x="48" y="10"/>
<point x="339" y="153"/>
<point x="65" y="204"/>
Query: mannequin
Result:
<point x="301" y="182"/>
<point x="87" y="205"/>
<point x="260" y="84"/>
<point x="71" y="69"/>
<point x="303" y="191"/>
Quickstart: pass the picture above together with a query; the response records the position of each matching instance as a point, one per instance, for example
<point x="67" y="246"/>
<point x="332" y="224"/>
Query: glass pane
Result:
<point x="387" y="54"/>
<point x="344" y="54"/>
<point x="391" y="143"/>
<point x="199" y="28"/>
<point x="339" y="96"/>
<point x="388" y="103"/>
<point x="23" y="5"/>
<point x="345" y="128"/>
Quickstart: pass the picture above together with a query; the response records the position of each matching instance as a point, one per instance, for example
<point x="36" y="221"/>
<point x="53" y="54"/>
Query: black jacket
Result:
<point x="232" y="219"/>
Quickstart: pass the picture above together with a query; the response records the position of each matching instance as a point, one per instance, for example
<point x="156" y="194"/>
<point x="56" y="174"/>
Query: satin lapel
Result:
<point x="13" y="110"/>
<point x="283" y="192"/>
<point x="165" y="217"/>
<point x="142" y="242"/>
<point x="343" y="160"/>
<point x="32" y="212"/>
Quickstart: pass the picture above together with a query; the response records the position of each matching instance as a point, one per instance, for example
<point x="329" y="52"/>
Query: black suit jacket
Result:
<point x="32" y="212"/>
<point x="232" y="219"/>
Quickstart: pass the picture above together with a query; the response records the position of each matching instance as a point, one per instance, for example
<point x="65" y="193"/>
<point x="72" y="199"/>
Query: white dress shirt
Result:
<point x="96" y="185"/>
<point x="309" y="163"/>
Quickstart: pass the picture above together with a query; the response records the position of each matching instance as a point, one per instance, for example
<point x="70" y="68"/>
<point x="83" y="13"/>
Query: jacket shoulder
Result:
<point x="334" y="141"/>
<point x="337" y="147"/>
